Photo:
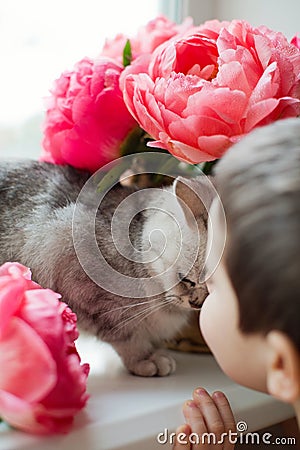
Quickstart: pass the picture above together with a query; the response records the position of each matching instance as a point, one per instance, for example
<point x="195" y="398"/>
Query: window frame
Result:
<point x="199" y="10"/>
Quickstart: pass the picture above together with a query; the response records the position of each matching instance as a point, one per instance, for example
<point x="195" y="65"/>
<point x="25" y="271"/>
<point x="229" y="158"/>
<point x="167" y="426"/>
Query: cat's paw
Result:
<point x="158" y="364"/>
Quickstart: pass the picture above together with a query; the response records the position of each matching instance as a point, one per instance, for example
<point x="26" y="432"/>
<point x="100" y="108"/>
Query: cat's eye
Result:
<point x="186" y="280"/>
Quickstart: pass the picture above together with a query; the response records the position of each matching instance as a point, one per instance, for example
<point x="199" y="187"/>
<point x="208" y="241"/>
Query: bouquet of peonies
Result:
<point x="192" y="90"/>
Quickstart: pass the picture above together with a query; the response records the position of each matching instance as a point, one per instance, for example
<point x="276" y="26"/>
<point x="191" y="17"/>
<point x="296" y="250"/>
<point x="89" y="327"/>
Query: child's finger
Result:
<point x="226" y="413"/>
<point x="181" y="439"/>
<point x="217" y="433"/>
<point x="225" y="410"/>
<point x="210" y="413"/>
<point x="194" y="417"/>
<point x="197" y="424"/>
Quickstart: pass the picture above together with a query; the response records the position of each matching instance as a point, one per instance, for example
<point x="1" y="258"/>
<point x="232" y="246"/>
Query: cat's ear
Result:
<point x="196" y="194"/>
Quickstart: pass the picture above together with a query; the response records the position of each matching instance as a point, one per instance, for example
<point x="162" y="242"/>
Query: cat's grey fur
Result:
<point x="36" y="209"/>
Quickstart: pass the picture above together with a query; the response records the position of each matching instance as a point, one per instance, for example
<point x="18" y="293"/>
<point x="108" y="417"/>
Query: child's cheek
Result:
<point x="208" y="322"/>
<point x="213" y="324"/>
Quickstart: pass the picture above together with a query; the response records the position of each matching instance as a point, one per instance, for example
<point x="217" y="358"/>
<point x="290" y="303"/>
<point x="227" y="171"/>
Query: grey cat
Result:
<point x="37" y="204"/>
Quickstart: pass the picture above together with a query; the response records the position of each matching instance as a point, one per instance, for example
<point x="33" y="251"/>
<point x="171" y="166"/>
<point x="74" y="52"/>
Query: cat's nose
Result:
<point x="198" y="297"/>
<point x="203" y="291"/>
<point x="194" y="303"/>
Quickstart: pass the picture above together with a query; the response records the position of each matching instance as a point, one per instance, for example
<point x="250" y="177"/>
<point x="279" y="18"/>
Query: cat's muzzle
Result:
<point x="197" y="297"/>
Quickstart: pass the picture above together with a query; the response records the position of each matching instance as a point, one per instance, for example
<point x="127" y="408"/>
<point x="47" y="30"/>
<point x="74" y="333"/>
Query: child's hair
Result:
<point x="259" y="184"/>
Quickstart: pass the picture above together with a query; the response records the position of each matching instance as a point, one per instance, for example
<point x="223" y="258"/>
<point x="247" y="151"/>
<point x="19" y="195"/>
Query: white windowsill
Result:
<point x="127" y="412"/>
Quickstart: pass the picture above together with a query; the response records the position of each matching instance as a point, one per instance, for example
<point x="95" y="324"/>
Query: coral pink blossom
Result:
<point x="203" y="91"/>
<point x="147" y="39"/>
<point x="42" y="384"/>
<point x="86" y="119"/>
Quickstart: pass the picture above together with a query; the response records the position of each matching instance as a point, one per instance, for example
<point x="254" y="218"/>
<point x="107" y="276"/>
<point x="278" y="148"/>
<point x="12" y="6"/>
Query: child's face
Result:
<point x="242" y="357"/>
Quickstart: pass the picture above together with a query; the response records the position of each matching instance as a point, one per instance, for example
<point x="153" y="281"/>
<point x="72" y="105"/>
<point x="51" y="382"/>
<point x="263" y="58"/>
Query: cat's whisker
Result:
<point x="139" y="314"/>
<point x="177" y="297"/>
<point x="125" y="307"/>
<point x="121" y="325"/>
<point x="148" y="303"/>
<point x="142" y="315"/>
<point x="155" y="309"/>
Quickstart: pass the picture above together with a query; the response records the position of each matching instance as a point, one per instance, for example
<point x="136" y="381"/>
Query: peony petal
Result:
<point x="133" y="86"/>
<point x="158" y="144"/>
<point x="263" y="49"/>
<point x="175" y="92"/>
<point x="188" y="130"/>
<point x="53" y="144"/>
<point x="258" y="112"/>
<point x="287" y="107"/>
<point x="164" y="63"/>
<point x="226" y="41"/>
<point x="70" y="390"/>
<point x="11" y="295"/>
<point x="153" y="108"/>
<point x="33" y="417"/>
<point x="19" y="413"/>
<point x="144" y="104"/>
<point x="145" y="121"/>
<point x="69" y="320"/>
<point x="86" y="135"/>
<point x="168" y="117"/>
<point x="101" y="144"/>
<point x="185" y="130"/>
<point x="83" y="105"/>
<point x="15" y="270"/>
<point x="246" y="60"/>
<point x="214" y="145"/>
<point x="40" y="310"/>
<point x="25" y="357"/>
<point x="188" y="154"/>
<point x="233" y="76"/>
<point x="228" y="105"/>
<point x="296" y="41"/>
<point x="212" y="28"/>
<point x="267" y="86"/>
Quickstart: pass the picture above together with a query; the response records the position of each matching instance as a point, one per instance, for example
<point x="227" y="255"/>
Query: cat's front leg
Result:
<point x="142" y="359"/>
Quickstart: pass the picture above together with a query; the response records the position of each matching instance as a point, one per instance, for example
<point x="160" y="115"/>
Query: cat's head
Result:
<point x="179" y="243"/>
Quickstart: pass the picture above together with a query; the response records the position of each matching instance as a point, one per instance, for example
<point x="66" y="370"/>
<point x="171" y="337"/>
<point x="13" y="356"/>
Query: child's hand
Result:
<point x="206" y="414"/>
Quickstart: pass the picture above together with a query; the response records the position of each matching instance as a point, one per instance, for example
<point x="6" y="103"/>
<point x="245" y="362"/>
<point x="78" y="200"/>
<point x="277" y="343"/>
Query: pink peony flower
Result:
<point x="86" y="120"/>
<point x="147" y="39"/>
<point x="42" y="384"/>
<point x="203" y="91"/>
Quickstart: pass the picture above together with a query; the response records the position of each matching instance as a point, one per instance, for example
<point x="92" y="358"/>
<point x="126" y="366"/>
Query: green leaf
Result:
<point x="127" y="54"/>
<point x="207" y="167"/>
<point x="134" y="142"/>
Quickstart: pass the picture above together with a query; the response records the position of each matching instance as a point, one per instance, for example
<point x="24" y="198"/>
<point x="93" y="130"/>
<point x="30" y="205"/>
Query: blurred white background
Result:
<point x="39" y="39"/>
